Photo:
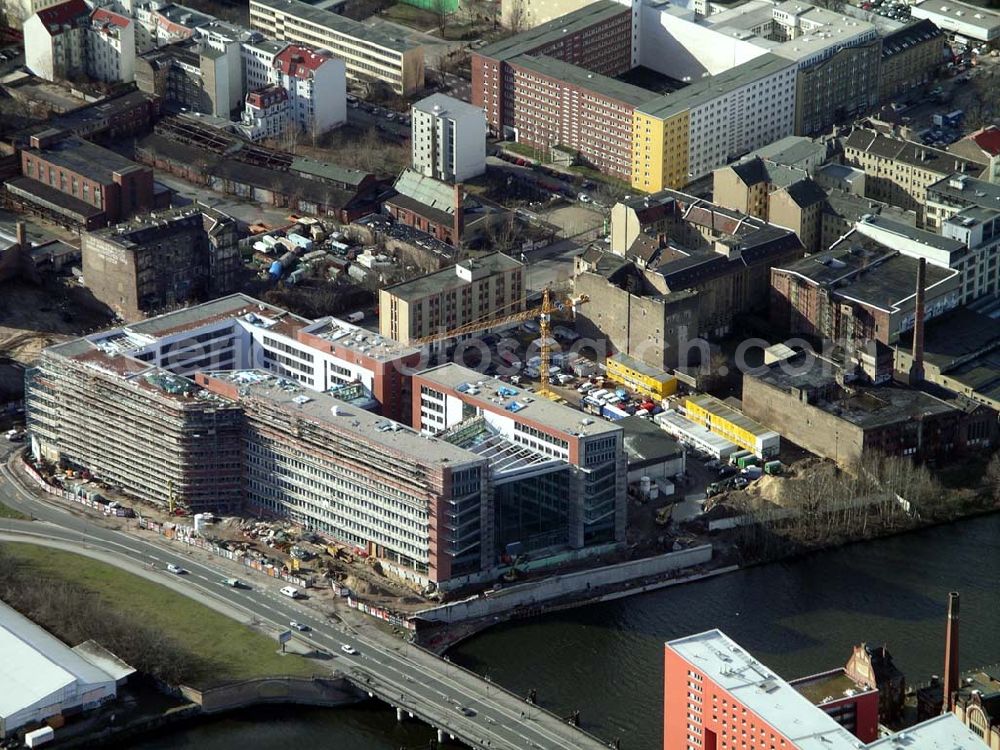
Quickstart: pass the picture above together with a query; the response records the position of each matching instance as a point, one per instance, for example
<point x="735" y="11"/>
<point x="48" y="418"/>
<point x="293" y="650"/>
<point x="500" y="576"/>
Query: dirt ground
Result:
<point x="34" y="317"/>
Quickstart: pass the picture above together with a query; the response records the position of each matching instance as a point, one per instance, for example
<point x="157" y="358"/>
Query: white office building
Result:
<point x="448" y="139"/>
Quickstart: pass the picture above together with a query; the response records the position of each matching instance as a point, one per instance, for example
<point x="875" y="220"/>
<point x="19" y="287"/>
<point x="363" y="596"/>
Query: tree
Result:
<point x="516" y="18"/>
<point x="441" y="10"/>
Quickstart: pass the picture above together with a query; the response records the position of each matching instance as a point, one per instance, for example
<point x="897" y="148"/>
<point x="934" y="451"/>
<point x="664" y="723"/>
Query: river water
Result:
<point x="799" y="617"/>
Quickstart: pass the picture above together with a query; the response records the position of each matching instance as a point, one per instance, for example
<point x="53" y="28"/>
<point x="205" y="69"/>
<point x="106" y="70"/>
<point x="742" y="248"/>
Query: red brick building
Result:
<point x="67" y="178"/>
<point x="552" y="86"/>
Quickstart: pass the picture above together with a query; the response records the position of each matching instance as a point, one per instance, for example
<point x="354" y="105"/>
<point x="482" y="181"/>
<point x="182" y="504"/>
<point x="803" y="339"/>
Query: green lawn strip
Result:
<point x="8" y="512"/>
<point x="235" y="652"/>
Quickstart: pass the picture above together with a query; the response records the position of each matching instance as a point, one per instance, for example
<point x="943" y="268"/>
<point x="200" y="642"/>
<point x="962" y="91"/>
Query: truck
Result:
<point x="613" y="412"/>
<point x="745" y="461"/>
<point x="734" y="459"/>
<point x="773" y="468"/>
<point x="355" y="317"/>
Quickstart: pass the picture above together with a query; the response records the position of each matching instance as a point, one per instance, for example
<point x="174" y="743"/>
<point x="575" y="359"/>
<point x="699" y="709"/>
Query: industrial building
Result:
<point x="368" y="53"/>
<point x="695" y="436"/>
<point x="44" y="679"/>
<point x="971" y="22"/>
<point x="72" y="181"/>
<point x="714" y="415"/>
<point x="108" y="401"/>
<point x="162" y="260"/>
<point x="803" y="401"/>
<point x="559" y="474"/>
<point x="716" y="693"/>
<point x="651" y="453"/>
<point x="359" y="478"/>
<point x="639" y="377"/>
<point x="475" y="290"/>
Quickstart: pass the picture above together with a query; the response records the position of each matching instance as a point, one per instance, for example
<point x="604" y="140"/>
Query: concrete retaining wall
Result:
<point x="313" y="692"/>
<point x="537" y="593"/>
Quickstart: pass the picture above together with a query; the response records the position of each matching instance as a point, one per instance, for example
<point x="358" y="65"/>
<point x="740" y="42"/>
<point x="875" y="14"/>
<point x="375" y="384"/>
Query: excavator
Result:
<point x="544" y="314"/>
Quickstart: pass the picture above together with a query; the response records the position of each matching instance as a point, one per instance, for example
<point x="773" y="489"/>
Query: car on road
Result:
<point x="234" y="583"/>
<point x="465" y="710"/>
<point x="348" y="649"/>
<point x="14" y="436"/>
<point x="390" y="116"/>
<point x="295" y="625"/>
<point x="177" y="569"/>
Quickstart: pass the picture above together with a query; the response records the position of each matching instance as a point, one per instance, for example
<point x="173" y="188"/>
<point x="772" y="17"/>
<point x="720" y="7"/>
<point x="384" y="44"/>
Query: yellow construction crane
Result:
<point x="544" y="315"/>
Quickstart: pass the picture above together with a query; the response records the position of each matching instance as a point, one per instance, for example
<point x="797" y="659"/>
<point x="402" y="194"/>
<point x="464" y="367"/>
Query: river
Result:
<point x="799" y="617"/>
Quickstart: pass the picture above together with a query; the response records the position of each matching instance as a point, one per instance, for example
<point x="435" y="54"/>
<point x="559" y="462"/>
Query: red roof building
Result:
<point x="298" y="61"/>
<point x="65" y="14"/>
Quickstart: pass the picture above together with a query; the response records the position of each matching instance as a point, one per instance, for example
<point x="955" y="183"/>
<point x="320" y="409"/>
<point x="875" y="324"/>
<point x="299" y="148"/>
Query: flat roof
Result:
<point x="494" y="395"/>
<point x="945" y="732"/>
<point x="448" y="105"/>
<point x="685" y="427"/>
<point x="974" y="15"/>
<point x="291" y="396"/>
<point x="829" y="686"/>
<point x="577" y="76"/>
<point x="448" y="278"/>
<point x="791" y="150"/>
<point x="338" y="23"/>
<point x="34" y="663"/>
<point x="232" y="306"/>
<point x="353" y="338"/>
<point x="715" y="86"/>
<point x="634" y="364"/>
<point x="966" y="190"/>
<point x="901" y="229"/>
<point x="505" y="456"/>
<point x="718" y="409"/>
<point x="553" y="30"/>
<point x="646" y="442"/>
<point x="85" y="158"/>
<point x="762" y="691"/>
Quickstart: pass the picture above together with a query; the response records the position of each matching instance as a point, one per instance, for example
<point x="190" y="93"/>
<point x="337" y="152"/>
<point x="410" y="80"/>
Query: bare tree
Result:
<point x="441" y="10"/>
<point x="515" y="15"/>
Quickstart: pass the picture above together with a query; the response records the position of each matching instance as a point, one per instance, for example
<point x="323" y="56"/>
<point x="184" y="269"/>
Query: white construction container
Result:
<point x="39" y="736"/>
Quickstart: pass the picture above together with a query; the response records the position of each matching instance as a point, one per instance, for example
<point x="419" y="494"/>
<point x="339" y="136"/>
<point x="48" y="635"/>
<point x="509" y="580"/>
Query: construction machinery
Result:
<point x="544" y="315"/>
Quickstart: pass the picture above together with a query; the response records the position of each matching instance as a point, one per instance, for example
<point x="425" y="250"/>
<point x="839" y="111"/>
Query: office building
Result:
<point x="954" y="193"/>
<point x="158" y="261"/>
<point x="358" y="478"/>
<point x="448" y="139"/>
<point x="899" y="171"/>
<point x="74" y="181"/>
<point x="258" y="62"/>
<point x="527" y="440"/>
<point x="716" y="695"/>
<point x="44" y="679"/>
<point x="368" y="53"/>
<point x="472" y="291"/>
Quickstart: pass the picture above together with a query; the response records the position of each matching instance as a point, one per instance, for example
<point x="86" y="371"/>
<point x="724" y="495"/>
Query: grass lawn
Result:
<point x="410" y="15"/>
<point x="7" y="512"/>
<point x="230" y="651"/>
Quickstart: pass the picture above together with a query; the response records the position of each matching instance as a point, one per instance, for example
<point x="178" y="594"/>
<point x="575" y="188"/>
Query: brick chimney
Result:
<point x="951" y="655"/>
<point x="916" y="374"/>
<point x="459" y="215"/>
<point x="22" y="236"/>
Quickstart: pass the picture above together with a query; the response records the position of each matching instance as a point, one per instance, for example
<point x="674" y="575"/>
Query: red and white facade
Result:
<point x="316" y="83"/>
<point x="110" y="46"/>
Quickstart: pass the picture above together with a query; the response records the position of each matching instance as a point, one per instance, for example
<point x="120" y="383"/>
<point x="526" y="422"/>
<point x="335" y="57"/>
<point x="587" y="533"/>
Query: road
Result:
<point x="413" y="680"/>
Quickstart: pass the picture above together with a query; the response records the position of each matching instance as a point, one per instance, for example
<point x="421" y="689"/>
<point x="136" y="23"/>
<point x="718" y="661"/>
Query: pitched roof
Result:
<point x="913" y="33"/>
<point x="806" y="193"/>
<point x="426" y="190"/>
<point x="988" y="139"/>
<point x="65" y="13"/>
<point x="105" y="16"/>
<point x="298" y="61"/>
<point x="909" y="152"/>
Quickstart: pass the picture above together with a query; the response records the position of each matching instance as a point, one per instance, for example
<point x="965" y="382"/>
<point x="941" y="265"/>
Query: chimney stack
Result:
<point x="916" y="374"/>
<point x="22" y="236"/>
<point x="951" y="655"/>
<point x="459" y="228"/>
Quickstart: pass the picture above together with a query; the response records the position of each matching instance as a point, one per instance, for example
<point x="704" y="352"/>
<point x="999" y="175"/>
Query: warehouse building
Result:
<point x="43" y="678"/>
<point x="590" y="499"/>
<point x="714" y="415"/>
<point x="961" y="19"/>
<point x="367" y="52"/>
<point x="695" y="436"/>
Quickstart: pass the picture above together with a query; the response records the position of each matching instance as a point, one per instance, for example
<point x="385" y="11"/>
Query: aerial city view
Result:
<point x="500" y="374"/>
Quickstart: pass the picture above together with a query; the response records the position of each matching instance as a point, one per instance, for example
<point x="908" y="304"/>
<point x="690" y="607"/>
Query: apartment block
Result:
<point x="316" y="83"/>
<point x="193" y="75"/>
<point x="982" y="145"/>
<point x="110" y="46"/>
<point x="76" y="182"/>
<point x="527" y="440"/>
<point x="161" y="23"/>
<point x="911" y="57"/>
<point x="680" y="137"/>
<point x="55" y="40"/>
<point x="954" y="193"/>
<point x="358" y="478"/>
<point x="472" y="291"/>
<point x="448" y="139"/>
<point x="899" y="171"/>
<point x="162" y="260"/>
<point x="265" y="114"/>
<point x="717" y="695"/>
<point x="258" y="62"/>
<point x="368" y="53"/>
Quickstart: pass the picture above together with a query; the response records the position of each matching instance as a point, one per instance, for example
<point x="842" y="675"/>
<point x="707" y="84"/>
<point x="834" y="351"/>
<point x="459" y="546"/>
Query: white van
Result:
<point x="598" y="394"/>
<point x="290" y="591"/>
